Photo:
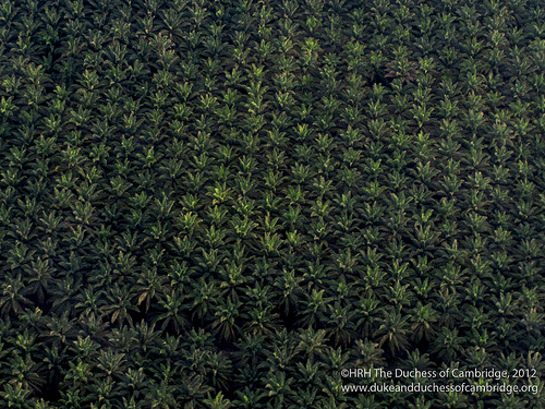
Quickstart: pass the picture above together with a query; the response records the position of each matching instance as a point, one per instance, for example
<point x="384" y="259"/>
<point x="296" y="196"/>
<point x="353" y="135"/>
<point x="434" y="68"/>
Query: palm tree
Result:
<point x="262" y="320"/>
<point x="416" y="360"/>
<point x="311" y="341"/>
<point x="452" y="400"/>
<point x="394" y="331"/>
<point x="205" y="295"/>
<point x="424" y="318"/>
<point x="448" y="307"/>
<point x="161" y="396"/>
<point x="218" y="402"/>
<point x="12" y="300"/>
<point x="233" y="280"/>
<point x="368" y="313"/>
<point x="248" y="399"/>
<point x="111" y="363"/>
<point x="340" y="323"/>
<point x="90" y="299"/>
<point x="306" y="398"/>
<point x="172" y="312"/>
<point x="119" y="305"/>
<point x="149" y="286"/>
<point x="314" y="308"/>
<point x="400" y="295"/>
<point x="60" y="329"/>
<point x="368" y="402"/>
<point x="288" y="284"/>
<point x="226" y="315"/>
<point x="368" y="354"/>
<point x="26" y="372"/>
<point x="448" y="344"/>
<point x="16" y="396"/>
<point x="279" y="388"/>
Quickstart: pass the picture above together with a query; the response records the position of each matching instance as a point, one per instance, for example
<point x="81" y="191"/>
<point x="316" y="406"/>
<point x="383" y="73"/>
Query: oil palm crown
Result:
<point x="262" y="321"/>
<point x="118" y="305"/>
<point x="248" y="399"/>
<point x="448" y="344"/>
<point x="394" y="331"/>
<point x="417" y="360"/>
<point x="17" y="396"/>
<point x="400" y="295"/>
<point x="218" y="402"/>
<point x="288" y="286"/>
<point x="449" y="304"/>
<point x="25" y="372"/>
<point x="424" y="321"/>
<point x="226" y="317"/>
<point x="12" y="300"/>
<point x="340" y="324"/>
<point x="314" y="308"/>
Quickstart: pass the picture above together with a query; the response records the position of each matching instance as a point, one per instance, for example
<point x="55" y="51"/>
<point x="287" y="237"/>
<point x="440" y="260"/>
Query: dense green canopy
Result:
<point x="226" y="204"/>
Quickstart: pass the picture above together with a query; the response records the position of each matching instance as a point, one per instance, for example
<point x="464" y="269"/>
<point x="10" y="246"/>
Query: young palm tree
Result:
<point x="368" y="313"/>
<point x="394" y="331"/>
<point x="248" y="399"/>
<point x="118" y="305"/>
<point x="278" y="386"/>
<point x="424" y="318"/>
<point x="340" y="324"/>
<point x="172" y="312"/>
<point x="90" y="299"/>
<point x="150" y="286"/>
<point x="313" y="309"/>
<point x="262" y="321"/>
<point x="218" y="402"/>
<point x="448" y="344"/>
<point x="17" y="396"/>
<point x="226" y="317"/>
<point x="161" y="395"/>
<point x="219" y="368"/>
<point x="12" y="300"/>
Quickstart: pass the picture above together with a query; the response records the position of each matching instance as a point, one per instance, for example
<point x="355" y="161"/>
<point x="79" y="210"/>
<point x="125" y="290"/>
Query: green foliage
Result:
<point x="223" y="204"/>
